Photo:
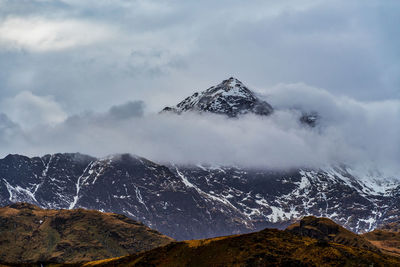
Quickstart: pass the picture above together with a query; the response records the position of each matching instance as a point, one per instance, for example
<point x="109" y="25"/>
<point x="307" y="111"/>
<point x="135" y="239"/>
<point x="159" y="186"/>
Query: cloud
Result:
<point x="370" y="127"/>
<point x="7" y="127"/>
<point x="11" y="135"/>
<point x="116" y="114"/>
<point x="127" y="110"/>
<point x="29" y="110"/>
<point x="38" y="34"/>
<point x="190" y="138"/>
<point x="349" y="131"/>
<point x="87" y="53"/>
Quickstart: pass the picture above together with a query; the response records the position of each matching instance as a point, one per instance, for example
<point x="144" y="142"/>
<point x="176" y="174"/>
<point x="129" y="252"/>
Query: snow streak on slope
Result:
<point x="19" y="194"/>
<point x="79" y="182"/>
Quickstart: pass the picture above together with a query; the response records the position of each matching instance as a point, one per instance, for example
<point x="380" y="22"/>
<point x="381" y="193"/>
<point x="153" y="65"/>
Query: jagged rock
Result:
<point x="310" y="118"/>
<point x="229" y="98"/>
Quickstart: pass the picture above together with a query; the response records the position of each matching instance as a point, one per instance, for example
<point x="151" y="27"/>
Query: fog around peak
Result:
<point x="347" y="132"/>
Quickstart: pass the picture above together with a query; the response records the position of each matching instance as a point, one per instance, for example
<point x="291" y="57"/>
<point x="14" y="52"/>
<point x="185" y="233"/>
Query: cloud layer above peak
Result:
<point x="87" y="53"/>
<point x="38" y="34"/>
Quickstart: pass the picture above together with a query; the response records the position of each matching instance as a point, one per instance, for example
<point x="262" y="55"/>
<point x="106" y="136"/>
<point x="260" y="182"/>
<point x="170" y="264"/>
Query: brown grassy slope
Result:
<point x="327" y="230"/>
<point x="269" y="247"/>
<point x="387" y="238"/>
<point x="31" y="234"/>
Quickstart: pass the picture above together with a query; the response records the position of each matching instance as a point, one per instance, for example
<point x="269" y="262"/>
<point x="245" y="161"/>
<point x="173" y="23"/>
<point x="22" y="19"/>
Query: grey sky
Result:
<point x="66" y="65"/>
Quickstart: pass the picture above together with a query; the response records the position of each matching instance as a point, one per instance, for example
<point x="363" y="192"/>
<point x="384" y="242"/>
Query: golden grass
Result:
<point x="31" y="234"/>
<point x="94" y="263"/>
<point x="266" y="248"/>
<point x="203" y="242"/>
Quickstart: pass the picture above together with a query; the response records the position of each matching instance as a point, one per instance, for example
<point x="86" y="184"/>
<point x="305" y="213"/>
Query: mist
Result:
<point x="348" y="132"/>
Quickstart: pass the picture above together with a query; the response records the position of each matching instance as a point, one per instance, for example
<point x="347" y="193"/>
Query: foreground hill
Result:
<point x="31" y="234"/>
<point x="386" y="238"/>
<point x="326" y="230"/>
<point x="330" y="245"/>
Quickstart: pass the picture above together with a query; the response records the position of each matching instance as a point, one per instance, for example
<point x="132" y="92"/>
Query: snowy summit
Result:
<point x="230" y="97"/>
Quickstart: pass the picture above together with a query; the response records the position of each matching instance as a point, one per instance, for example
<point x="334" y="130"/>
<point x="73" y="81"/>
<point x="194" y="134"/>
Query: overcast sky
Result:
<point x="96" y="53"/>
<point x="66" y="61"/>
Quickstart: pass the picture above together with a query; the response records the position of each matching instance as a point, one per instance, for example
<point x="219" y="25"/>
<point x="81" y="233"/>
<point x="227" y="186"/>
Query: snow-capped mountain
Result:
<point x="188" y="202"/>
<point x="230" y="98"/>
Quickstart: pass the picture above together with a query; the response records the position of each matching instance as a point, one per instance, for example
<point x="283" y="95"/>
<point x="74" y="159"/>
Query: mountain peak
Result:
<point x="232" y="82"/>
<point x="231" y="97"/>
<point x="231" y="87"/>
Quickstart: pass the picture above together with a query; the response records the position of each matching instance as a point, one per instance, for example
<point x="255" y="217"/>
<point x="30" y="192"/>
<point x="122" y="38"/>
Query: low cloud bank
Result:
<point x="348" y="131"/>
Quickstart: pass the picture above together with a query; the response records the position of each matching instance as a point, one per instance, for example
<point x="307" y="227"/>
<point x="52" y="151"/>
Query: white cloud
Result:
<point x="351" y="132"/>
<point x="29" y="110"/>
<point x="39" y="34"/>
<point x="162" y="51"/>
<point x="369" y="128"/>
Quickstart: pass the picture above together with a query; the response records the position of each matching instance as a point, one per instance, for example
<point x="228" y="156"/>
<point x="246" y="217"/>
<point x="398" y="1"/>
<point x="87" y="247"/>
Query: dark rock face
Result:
<point x="55" y="175"/>
<point x="230" y="98"/>
<point x="187" y="202"/>
<point x="310" y="118"/>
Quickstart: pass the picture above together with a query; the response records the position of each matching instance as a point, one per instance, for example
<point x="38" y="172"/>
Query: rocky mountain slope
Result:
<point x="230" y="98"/>
<point x="29" y="234"/>
<point x="334" y="246"/>
<point x="190" y="202"/>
